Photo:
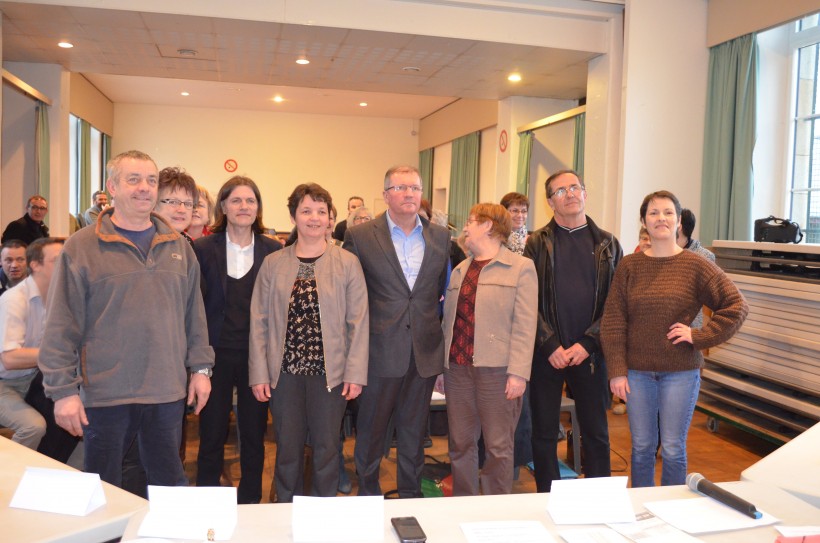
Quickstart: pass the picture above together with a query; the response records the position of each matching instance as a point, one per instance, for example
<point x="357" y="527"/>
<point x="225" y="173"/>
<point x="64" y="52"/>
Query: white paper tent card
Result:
<point x="186" y="512"/>
<point x="359" y="518"/>
<point x="59" y="491"/>
<point x="599" y="500"/>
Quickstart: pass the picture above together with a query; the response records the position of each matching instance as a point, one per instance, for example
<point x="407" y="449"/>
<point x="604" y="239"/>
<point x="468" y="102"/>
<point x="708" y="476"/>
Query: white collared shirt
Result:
<point x="240" y="259"/>
<point x="22" y="322"/>
<point x="409" y="248"/>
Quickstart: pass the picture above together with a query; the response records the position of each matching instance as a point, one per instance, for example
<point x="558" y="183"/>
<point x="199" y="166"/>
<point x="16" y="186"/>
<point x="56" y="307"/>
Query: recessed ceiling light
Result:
<point x="185" y="93"/>
<point x="411" y="69"/>
<point x="278" y="99"/>
<point x="362" y="104"/>
<point x="65" y="45"/>
<point x="514" y="77"/>
<point x="187" y="52"/>
<point x="302" y="60"/>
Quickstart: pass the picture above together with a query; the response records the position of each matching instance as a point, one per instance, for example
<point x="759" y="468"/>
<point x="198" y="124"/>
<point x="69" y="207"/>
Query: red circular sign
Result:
<point x="502" y="141"/>
<point x="231" y="165"/>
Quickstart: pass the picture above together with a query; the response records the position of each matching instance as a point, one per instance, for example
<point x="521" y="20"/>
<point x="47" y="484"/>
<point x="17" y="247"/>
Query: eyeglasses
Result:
<point x="361" y="219"/>
<point x="173" y="202"/>
<point x="38" y="208"/>
<point x="572" y="189"/>
<point x="471" y="220"/>
<point x="405" y="188"/>
<point x="517" y="211"/>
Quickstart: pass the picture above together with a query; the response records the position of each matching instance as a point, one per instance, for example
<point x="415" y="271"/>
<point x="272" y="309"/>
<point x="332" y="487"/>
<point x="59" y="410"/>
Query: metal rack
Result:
<point x="766" y="379"/>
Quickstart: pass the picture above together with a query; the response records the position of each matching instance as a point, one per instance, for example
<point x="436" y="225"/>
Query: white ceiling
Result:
<point x="134" y="57"/>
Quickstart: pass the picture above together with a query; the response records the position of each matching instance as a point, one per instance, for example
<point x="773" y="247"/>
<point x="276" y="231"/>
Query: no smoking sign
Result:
<point x="231" y="165"/>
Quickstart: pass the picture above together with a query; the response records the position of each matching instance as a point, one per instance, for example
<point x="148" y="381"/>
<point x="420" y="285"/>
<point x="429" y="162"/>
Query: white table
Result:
<point x="441" y="517"/>
<point x="22" y="526"/>
<point x="794" y="467"/>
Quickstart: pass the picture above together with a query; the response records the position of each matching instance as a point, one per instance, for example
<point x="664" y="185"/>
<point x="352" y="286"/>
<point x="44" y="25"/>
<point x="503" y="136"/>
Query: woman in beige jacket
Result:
<point x="308" y="344"/>
<point x="490" y="313"/>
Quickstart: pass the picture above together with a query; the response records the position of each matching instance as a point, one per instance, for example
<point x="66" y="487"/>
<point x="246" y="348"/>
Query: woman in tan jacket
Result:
<point x="490" y="313"/>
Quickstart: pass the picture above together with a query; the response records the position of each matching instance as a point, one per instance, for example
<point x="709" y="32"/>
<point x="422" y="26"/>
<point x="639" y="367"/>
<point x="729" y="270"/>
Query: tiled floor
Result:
<point x="719" y="456"/>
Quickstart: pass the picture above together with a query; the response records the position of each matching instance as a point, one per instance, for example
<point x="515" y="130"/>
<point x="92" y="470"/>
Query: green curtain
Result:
<point x="42" y="153"/>
<point x="84" y="166"/>
<point x="463" y="178"/>
<point x="106" y="156"/>
<point x="578" y="148"/>
<point x="426" y="171"/>
<point x="522" y="182"/>
<point x="728" y="179"/>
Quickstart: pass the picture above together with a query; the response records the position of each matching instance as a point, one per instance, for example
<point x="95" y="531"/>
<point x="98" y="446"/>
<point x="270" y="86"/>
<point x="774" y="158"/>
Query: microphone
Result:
<point x="699" y="483"/>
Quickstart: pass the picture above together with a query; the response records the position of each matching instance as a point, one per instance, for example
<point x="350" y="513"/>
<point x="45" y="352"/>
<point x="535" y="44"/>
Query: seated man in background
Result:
<point x="99" y="201"/>
<point x="30" y="226"/>
<point x="13" y="261"/>
<point x="22" y="319"/>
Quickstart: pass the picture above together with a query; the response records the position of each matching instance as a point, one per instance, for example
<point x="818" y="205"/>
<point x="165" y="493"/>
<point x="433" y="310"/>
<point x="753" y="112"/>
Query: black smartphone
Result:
<point x="408" y="530"/>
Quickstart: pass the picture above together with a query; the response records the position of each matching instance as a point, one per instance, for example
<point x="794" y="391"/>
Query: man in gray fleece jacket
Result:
<point x="126" y="324"/>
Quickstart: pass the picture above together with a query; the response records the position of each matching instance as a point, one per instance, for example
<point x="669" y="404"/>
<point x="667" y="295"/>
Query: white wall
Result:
<point x="346" y="155"/>
<point x="18" y="176"/>
<point x="487" y="165"/>
<point x="552" y="150"/>
<point x="665" y="72"/>
<point x="53" y="81"/>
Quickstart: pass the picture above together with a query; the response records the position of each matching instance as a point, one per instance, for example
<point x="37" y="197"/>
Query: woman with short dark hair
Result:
<point x="314" y="360"/>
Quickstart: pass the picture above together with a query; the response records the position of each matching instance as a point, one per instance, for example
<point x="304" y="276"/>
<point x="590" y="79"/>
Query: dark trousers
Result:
<point x="157" y="429"/>
<point x="57" y="443"/>
<point x="300" y="405"/>
<point x="231" y="369"/>
<point x="407" y="398"/>
<point x="588" y="383"/>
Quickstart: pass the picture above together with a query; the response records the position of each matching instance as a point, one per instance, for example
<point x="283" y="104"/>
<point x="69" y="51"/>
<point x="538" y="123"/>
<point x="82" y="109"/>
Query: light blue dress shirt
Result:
<point x="409" y="249"/>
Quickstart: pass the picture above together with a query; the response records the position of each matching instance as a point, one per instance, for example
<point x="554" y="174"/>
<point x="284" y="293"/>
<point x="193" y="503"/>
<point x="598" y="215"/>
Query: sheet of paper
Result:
<point x="189" y="512"/>
<point x="502" y="531"/>
<point x="592" y="535"/>
<point x="648" y="528"/>
<point x="352" y="518"/>
<point x="59" y="491"/>
<point x="590" y="501"/>
<point x="797" y="531"/>
<point x="704" y="515"/>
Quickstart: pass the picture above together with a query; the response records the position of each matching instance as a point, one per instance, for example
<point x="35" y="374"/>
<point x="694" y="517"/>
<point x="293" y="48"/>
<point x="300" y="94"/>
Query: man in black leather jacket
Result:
<point x="575" y="261"/>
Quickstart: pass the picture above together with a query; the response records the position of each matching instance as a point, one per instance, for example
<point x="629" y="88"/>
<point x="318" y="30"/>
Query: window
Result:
<point x="87" y="160"/>
<point x="805" y="182"/>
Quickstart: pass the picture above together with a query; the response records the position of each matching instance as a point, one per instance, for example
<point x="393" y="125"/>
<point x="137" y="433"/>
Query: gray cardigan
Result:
<point x="343" y="311"/>
<point x="506" y="312"/>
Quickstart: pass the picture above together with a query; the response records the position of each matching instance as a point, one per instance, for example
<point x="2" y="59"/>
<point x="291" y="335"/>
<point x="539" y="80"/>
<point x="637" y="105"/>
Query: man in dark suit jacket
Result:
<point x="404" y="259"/>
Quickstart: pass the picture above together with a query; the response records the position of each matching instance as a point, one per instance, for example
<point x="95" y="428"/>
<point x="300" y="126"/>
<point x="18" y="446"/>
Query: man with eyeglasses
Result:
<point x="353" y="203"/>
<point x="404" y="259"/>
<point x="126" y="325"/>
<point x="575" y="261"/>
<point x="30" y="226"/>
<point x="177" y="198"/>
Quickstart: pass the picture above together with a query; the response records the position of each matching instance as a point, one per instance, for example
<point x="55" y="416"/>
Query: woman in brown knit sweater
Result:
<point x="653" y="356"/>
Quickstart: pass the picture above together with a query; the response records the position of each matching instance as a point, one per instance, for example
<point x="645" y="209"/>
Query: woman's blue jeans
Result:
<point x="666" y="398"/>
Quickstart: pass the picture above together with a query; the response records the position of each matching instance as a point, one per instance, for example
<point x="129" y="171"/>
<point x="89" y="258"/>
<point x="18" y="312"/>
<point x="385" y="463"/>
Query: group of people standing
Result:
<point x="143" y="318"/>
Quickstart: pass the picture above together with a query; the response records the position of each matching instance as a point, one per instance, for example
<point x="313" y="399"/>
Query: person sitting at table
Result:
<point x="653" y="355"/>
<point x="230" y="260"/>
<point x="490" y="316"/>
<point x="308" y="363"/>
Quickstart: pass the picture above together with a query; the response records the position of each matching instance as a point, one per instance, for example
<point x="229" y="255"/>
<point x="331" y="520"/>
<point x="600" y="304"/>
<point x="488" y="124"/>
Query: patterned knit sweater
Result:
<point x="650" y="294"/>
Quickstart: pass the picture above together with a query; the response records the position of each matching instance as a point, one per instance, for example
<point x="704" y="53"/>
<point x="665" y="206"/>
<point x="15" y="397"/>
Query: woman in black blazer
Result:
<point x="229" y="260"/>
